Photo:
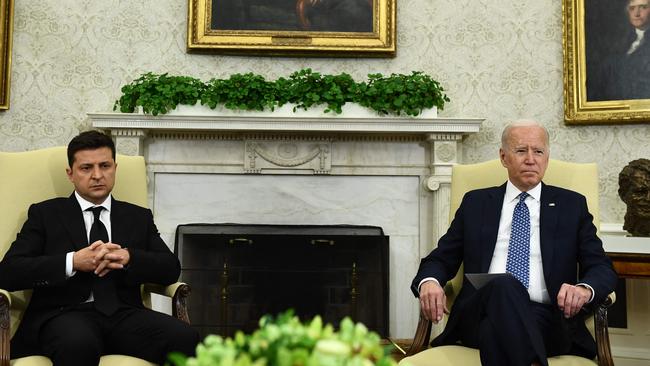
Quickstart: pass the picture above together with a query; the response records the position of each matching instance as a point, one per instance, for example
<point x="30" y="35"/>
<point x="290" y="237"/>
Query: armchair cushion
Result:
<point x="459" y="355"/>
<point x="109" y="360"/>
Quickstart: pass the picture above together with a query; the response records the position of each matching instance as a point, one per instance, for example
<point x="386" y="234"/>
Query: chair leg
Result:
<point x="602" y="334"/>
<point x="4" y="330"/>
<point x="422" y="336"/>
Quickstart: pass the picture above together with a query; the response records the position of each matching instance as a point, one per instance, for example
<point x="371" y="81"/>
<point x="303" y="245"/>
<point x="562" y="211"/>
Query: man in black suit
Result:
<point x="524" y="318"/>
<point x="85" y="256"/>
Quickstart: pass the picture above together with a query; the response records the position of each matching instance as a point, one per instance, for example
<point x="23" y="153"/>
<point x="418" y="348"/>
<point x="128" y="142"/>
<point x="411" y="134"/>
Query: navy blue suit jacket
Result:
<point x="571" y="251"/>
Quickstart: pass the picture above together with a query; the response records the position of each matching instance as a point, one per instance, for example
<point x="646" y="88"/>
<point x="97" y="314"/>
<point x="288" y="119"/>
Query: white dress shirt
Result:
<point x="89" y="218"/>
<point x="637" y="42"/>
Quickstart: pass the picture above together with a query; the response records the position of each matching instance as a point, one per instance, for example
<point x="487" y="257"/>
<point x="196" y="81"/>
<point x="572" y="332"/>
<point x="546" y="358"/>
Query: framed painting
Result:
<point x="606" y="61"/>
<point x="6" y="27"/>
<point x="292" y="27"/>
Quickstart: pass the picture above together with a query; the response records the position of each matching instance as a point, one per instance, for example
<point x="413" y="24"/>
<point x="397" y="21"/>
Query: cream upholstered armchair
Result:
<point x="34" y="176"/>
<point x="582" y="178"/>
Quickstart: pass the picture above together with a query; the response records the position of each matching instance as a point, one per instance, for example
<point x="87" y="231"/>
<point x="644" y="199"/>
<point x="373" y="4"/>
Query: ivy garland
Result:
<point x="396" y="94"/>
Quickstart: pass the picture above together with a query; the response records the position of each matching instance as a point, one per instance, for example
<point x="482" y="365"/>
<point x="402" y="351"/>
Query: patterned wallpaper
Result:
<point x="501" y="60"/>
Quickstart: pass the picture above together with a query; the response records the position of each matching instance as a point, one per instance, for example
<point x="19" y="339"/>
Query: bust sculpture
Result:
<point x="634" y="190"/>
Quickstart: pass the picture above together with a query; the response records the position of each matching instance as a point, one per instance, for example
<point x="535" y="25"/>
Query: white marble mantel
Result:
<point x="388" y="172"/>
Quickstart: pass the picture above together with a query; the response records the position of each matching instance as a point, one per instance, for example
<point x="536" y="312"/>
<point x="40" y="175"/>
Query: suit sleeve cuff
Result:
<point x="69" y="271"/>
<point x="593" y="293"/>
<point x="427" y="279"/>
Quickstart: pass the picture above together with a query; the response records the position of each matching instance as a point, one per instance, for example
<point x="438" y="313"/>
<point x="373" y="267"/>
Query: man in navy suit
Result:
<point x="515" y="320"/>
<point x="85" y="256"/>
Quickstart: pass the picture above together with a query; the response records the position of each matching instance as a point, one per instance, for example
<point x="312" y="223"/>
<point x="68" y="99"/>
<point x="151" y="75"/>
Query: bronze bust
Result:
<point x="634" y="190"/>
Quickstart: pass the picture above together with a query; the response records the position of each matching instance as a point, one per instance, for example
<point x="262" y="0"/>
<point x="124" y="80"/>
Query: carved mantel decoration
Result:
<point x="302" y="170"/>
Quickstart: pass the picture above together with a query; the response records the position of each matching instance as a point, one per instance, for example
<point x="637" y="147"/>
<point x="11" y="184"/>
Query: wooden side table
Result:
<point x="630" y="255"/>
<point x="631" y="265"/>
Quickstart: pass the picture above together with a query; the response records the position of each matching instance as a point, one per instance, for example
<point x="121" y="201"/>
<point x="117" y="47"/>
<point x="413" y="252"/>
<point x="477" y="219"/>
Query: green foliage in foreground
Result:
<point x="285" y="341"/>
<point x="394" y="94"/>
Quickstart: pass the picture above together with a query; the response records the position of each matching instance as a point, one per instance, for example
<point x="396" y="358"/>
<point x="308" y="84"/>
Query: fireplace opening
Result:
<point x="239" y="273"/>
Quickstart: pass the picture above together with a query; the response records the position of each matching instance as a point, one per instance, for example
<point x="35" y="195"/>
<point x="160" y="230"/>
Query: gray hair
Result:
<point x="522" y="123"/>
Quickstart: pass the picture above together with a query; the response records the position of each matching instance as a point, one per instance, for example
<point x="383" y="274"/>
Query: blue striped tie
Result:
<point x="518" y="262"/>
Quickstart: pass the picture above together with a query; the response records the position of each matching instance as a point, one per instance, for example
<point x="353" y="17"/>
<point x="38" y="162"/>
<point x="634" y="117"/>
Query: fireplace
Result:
<point x="241" y="272"/>
<point x="392" y="173"/>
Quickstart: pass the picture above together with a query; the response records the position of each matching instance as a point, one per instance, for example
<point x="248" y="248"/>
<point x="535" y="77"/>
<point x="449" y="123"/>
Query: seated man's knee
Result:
<point x="186" y="340"/>
<point x="78" y="345"/>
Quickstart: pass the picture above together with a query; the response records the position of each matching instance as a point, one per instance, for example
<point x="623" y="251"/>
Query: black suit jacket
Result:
<point x="36" y="260"/>
<point x="567" y="237"/>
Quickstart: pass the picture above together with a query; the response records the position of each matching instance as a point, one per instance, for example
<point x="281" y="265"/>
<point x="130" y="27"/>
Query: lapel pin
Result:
<point x="552" y="204"/>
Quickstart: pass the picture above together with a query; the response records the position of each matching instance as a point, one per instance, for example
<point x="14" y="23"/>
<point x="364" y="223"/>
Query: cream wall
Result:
<point x="501" y="60"/>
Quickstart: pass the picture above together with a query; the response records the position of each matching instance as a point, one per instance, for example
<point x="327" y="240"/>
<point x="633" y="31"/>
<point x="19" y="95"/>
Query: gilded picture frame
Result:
<point x="606" y="78"/>
<point x="6" y="30"/>
<point x="339" y="28"/>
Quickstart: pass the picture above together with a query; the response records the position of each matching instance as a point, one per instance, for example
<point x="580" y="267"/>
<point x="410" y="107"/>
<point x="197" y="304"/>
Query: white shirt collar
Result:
<point x="512" y="192"/>
<point x="85" y="204"/>
<point x="639" y="33"/>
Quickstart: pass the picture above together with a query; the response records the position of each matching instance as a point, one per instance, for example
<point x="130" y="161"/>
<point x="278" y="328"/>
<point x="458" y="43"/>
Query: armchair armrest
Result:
<point x="179" y="292"/>
<point x="423" y="330"/>
<point x="5" y="303"/>
<point x="421" y="338"/>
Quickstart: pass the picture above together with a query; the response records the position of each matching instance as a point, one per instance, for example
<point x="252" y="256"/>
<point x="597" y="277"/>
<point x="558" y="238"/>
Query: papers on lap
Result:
<point x="479" y="280"/>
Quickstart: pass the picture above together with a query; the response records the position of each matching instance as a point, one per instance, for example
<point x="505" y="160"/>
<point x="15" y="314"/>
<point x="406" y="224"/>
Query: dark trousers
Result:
<point x="81" y="335"/>
<point x="508" y="329"/>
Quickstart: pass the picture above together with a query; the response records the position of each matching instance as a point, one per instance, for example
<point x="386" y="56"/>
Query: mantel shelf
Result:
<point x="380" y="125"/>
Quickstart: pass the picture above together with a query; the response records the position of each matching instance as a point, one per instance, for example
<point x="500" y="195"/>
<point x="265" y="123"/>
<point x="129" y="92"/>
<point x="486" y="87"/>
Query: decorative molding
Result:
<point x="445" y="151"/>
<point x="382" y="125"/>
<point x="287" y="154"/>
<point x="129" y="141"/>
<point x="444" y="137"/>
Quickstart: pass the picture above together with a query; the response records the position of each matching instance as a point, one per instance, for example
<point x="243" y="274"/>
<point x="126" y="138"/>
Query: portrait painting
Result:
<point x="293" y="27"/>
<point x="607" y="61"/>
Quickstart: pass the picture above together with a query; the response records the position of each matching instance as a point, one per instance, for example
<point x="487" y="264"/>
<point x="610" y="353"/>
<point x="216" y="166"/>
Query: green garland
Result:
<point x="396" y="94"/>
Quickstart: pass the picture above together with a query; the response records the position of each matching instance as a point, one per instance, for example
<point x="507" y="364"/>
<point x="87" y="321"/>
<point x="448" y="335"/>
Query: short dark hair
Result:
<point x="89" y="140"/>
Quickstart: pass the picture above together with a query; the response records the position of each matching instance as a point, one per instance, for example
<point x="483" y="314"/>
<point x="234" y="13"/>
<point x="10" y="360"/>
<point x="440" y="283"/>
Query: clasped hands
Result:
<point x="433" y="301"/>
<point x="100" y="258"/>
